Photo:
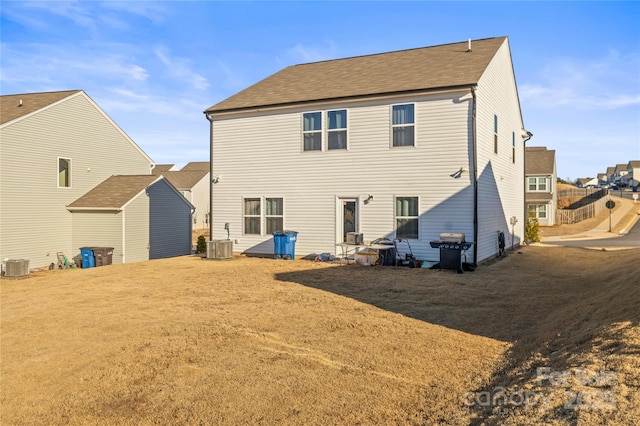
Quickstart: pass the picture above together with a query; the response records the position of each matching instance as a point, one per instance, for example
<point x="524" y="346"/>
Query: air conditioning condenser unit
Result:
<point x="16" y="268"/>
<point x="220" y="249"/>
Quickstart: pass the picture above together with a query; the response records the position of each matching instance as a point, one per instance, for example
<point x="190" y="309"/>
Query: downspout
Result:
<point x="528" y="136"/>
<point x="210" y="118"/>
<point x="475" y="177"/>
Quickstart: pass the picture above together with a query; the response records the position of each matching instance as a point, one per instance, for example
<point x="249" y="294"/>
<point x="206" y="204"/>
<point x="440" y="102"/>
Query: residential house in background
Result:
<point x="603" y="181"/>
<point x="399" y="145"/>
<point x="587" y="182"/>
<point x="633" y="173"/>
<point x="193" y="182"/>
<point x="541" y="178"/>
<point x="611" y="175"/>
<point x="144" y="217"/>
<point x="56" y="147"/>
<point x="620" y="173"/>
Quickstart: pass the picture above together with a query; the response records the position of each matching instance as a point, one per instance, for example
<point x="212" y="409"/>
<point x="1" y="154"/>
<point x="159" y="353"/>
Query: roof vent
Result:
<point x="469" y="48"/>
<point x="20" y="104"/>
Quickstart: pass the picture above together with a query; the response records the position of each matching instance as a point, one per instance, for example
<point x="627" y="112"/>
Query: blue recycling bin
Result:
<point x="88" y="259"/>
<point x="284" y="244"/>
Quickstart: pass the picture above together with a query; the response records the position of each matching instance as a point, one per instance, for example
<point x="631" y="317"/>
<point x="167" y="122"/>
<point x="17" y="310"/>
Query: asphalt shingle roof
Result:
<point x="539" y="160"/>
<point x="10" y="108"/>
<point x="443" y="66"/>
<point x="114" y="192"/>
<point x="184" y="179"/>
<point x="159" y="168"/>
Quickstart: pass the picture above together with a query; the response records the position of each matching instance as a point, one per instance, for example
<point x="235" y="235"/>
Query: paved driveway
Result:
<point x="630" y="240"/>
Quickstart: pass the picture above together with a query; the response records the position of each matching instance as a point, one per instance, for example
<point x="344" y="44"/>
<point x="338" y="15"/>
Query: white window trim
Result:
<point x="304" y="132"/>
<point x="324" y="130"/>
<point x="396" y="217"/>
<point x="326" y="120"/>
<point x="265" y="212"/>
<point x="536" y="210"/>
<point x="244" y="215"/>
<point x="58" y="172"/>
<point x="537" y="178"/>
<point x="415" y="126"/>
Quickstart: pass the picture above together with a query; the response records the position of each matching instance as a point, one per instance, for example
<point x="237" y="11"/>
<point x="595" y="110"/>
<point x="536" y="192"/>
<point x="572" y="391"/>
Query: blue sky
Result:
<point x="155" y="66"/>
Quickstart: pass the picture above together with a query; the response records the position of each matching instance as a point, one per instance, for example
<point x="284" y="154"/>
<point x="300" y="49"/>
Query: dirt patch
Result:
<point x="250" y="340"/>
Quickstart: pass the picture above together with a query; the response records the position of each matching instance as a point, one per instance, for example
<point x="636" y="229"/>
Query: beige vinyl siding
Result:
<point x="200" y="200"/>
<point x="261" y="156"/>
<point x="136" y="230"/>
<point x="98" y="229"/>
<point x="33" y="219"/>
<point x="500" y="180"/>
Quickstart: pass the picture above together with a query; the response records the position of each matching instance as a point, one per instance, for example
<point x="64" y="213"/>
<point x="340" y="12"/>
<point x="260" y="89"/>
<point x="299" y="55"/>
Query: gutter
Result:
<point x="209" y="116"/>
<point x="475" y="178"/>
<point x="527" y="136"/>
<point x="328" y="101"/>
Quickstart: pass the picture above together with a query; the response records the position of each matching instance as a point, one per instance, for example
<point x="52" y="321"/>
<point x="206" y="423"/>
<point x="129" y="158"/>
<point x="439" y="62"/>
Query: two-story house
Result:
<point x="633" y="173"/>
<point x="620" y="174"/>
<point x="194" y="184"/>
<point x="55" y="149"/>
<point x="541" y="177"/>
<point x="399" y="145"/>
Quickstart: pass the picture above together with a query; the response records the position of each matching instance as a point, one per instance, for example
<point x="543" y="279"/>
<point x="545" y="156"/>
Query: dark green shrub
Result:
<point x="202" y="244"/>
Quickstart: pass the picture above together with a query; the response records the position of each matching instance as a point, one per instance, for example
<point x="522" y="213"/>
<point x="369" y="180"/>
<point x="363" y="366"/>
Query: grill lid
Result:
<point x="452" y="237"/>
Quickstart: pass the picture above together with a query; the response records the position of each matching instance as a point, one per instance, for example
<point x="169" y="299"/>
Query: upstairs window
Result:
<point x="64" y="173"/>
<point x="537" y="184"/>
<point x="495" y="134"/>
<point x="252" y="216"/>
<point x="274" y="215"/>
<point x="403" y="125"/>
<point x="337" y="131"/>
<point x="312" y="131"/>
<point x="407" y="217"/>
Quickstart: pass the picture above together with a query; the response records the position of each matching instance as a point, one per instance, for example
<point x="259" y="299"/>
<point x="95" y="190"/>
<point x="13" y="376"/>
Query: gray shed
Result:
<point x="142" y="217"/>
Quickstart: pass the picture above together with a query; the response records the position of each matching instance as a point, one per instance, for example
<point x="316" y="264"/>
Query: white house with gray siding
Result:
<point x="193" y="182"/>
<point x="405" y="144"/>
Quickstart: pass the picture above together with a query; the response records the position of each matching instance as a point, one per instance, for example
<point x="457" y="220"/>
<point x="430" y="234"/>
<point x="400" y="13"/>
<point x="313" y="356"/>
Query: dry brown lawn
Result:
<point x="190" y="341"/>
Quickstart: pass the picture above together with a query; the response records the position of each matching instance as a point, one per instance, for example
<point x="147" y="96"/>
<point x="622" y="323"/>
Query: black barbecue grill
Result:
<point x="451" y="245"/>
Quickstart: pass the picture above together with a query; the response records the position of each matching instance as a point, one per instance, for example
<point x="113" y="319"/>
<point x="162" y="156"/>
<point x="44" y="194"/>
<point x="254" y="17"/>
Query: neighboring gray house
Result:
<point x="405" y="144"/>
<point x="541" y="177"/>
<point x="620" y="173"/>
<point x="55" y="147"/>
<point x="142" y="217"/>
<point x="193" y="183"/>
<point x="633" y="173"/>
